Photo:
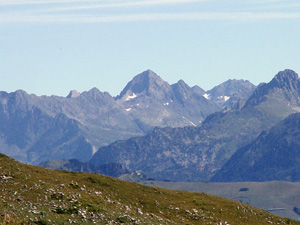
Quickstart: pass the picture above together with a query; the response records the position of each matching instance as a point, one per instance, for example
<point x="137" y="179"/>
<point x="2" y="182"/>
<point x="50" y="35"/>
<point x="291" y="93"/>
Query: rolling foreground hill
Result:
<point x="197" y="153"/>
<point x="33" y="195"/>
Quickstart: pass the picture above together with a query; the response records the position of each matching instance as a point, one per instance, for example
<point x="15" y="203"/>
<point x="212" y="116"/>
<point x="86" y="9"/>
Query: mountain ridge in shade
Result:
<point x="274" y="155"/>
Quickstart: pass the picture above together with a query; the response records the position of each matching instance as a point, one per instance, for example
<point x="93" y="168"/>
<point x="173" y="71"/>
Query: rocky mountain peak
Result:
<point x="19" y="94"/>
<point x="231" y="87"/>
<point x="286" y="75"/>
<point x="198" y="90"/>
<point x="97" y="97"/>
<point x="287" y="78"/>
<point x="181" y="86"/>
<point x="149" y="73"/>
<point x="285" y="85"/>
<point x="146" y="82"/>
<point x="73" y="94"/>
<point x="181" y="83"/>
<point x="182" y="91"/>
<point x="94" y="93"/>
<point x="230" y="92"/>
<point x="94" y="90"/>
<point x="19" y="99"/>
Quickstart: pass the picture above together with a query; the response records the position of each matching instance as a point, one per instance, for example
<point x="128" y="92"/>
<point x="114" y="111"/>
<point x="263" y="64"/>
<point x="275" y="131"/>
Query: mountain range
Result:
<point x="34" y="129"/>
<point x="234" y="132"/>
<point x="198" y="153"/>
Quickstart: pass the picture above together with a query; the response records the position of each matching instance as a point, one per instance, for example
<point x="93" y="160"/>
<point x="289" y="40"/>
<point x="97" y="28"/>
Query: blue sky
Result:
<point x="53" y="46"/>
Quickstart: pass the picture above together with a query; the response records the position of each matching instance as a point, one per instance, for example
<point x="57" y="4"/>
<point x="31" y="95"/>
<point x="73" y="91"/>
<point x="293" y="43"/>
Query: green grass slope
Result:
<point x="263" y="195"/>
<point x="33" y="195"/>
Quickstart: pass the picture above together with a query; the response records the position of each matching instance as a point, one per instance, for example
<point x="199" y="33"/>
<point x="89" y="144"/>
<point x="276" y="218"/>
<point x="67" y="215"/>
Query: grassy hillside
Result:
<point x="33" y="195"/>
<point x="264" y="195"/>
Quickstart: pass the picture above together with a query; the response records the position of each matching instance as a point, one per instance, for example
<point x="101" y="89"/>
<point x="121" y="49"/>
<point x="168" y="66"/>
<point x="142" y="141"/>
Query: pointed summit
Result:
<point x="93" y="93"/>
<point x="182" y="91"/>
<point x="148" y="74"/>
<point x="182" y="84"/>
<point x="144" y="81"/>
<point x="285" y="86"/>
<point x="286" y="74"/>
<point x="285" y="79"/>
<point x="148" y="83"/>
<point x="73" y="94"/>
<point x="198" y="90"/>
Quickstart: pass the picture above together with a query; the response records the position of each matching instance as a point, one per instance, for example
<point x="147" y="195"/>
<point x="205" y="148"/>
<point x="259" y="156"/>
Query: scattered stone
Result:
<point x="187" y="212"/>
<point x="139" y="211"/>
<point x="3" y="177"/>
<point x="35" y="212"/>
<point x="126" y="207"/>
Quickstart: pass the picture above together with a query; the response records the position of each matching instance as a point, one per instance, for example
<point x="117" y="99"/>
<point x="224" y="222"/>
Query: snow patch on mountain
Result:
<point x="207" y="96"/>
<point x="225" y="98"/>
<point x="189" y="121"/>
<point x="95" y="149"/>
<point x="131" y="97"/>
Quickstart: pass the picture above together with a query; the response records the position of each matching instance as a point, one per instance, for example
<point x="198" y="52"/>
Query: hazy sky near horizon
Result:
<point x="53" y="46"/>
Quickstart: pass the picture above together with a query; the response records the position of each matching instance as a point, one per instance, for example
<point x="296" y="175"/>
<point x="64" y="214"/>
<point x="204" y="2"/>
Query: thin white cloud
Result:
<point x="145" y="17"/>
<point x="280" y="6"/>
<point x="273" y="4"/>
<point x="40" y="2"/>
<point x="126" y="4"/>
<point x="261" y="2"/>
<point x="68" y="13"/>
<point x="105" y="3"/>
